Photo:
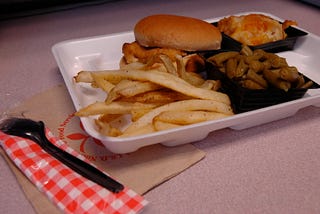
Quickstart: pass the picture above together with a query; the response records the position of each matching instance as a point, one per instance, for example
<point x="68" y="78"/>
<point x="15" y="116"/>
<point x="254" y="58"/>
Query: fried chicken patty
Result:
<point x="133" y="52"/>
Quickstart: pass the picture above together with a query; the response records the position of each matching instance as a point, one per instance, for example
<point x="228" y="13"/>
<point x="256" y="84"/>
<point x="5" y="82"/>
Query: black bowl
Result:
<point x="244" y="99"/>
<point x="274" y="47"/>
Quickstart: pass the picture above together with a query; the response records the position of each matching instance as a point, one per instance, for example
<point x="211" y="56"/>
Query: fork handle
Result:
<point x="81" y="167"/>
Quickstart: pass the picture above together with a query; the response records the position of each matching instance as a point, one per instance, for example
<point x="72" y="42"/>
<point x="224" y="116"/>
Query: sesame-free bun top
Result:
<point x="179" y="32"/>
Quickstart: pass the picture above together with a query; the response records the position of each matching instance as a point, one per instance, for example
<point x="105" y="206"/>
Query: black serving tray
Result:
<point x="244" y="99"/>
<point x="274" y="47"/>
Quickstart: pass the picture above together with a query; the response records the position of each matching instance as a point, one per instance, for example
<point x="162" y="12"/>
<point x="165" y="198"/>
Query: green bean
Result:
<point x="284" y="85"/>
<point x="307" y="84"/>
<point x="278" y="62"/>
<point x="251" y="84"/>
<point x="273" y="77"/>
<point x="259" y="53"/>
<point x="290" y="74"/>
<point x="271" y="74"/>
<point x="220" y="58"/>
<point x="256" y="65"/>
<point x="251" y="75"/>
<point x="268" y="56"/>
<point x="241" y="68"/>
<point x="231" y="67"/>
<point x="246" y="51"/>
<point x="266" y="65"/>
<point x="300" y="81"/>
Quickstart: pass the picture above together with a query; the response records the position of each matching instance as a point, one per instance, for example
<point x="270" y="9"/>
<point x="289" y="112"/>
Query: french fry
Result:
<point x="168" y="64"/>
<point x="106" y="129"/>
<point x="211" y="85"/>
<point x="160" y="125"/>
<point x="132" y="66"/>
<point x="159" y="96"/>
<point x="194" y="79"/>
<point x="139" y="88"/>
<point x="107" y="118"/>
<point x="194" y="63"/>
<point x="98" y="108"/>
<point x="137" y="113"/>
<point x="114" y="93"/>
<point x="102" y="83"/>
<point x="181" y="69"/>
<point x="166" y="80"/>
<point x="129" y="88"/>
<point x="190" y="77"/>
<point x="84" y="76"/>
<point x="188" y="117"/>
<point x="146" y="129"/>
<point x="193" y="104"/>
<point x="154" y="62"/>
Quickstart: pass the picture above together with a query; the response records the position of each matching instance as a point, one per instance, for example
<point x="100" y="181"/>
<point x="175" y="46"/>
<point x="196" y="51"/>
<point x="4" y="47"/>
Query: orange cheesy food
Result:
<point x="254" y="29"/>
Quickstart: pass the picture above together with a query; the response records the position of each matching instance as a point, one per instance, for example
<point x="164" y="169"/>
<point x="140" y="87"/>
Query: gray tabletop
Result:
<point x="271" y="168"/>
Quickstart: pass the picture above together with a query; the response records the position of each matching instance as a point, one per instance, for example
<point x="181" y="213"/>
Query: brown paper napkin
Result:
<point x="141" y="170"/>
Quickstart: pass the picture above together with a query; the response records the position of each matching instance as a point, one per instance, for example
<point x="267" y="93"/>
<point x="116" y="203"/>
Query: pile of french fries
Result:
<point x="157" y="95"/>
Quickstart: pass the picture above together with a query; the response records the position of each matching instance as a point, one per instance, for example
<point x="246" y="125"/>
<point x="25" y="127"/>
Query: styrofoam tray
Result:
<point x="104" y="52"/>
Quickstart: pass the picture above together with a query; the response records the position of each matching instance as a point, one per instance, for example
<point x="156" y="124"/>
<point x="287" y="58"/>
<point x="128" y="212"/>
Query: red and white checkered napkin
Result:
<point x="71" y="192"/>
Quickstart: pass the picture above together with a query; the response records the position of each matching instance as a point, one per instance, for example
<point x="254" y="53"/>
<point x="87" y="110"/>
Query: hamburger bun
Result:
<point x="177" y="32"/>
